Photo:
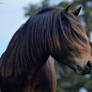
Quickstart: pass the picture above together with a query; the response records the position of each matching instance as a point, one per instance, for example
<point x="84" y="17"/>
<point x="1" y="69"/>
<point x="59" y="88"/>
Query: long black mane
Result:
<point x="48" y="32"/>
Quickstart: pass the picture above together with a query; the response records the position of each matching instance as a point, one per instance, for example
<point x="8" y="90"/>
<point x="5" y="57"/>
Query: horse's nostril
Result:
<point x="89" y="64"/>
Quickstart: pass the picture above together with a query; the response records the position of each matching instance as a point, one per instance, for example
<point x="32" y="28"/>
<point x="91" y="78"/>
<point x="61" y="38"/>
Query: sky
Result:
<point x="12" y="17"/>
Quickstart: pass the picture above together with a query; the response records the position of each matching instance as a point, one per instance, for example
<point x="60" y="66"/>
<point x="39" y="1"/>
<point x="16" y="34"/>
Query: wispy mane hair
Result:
<point x="47" y="32"/>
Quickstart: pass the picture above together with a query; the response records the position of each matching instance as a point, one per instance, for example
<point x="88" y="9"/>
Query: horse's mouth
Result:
<point x="83" y="71"/>
<point x="79" y="69"/>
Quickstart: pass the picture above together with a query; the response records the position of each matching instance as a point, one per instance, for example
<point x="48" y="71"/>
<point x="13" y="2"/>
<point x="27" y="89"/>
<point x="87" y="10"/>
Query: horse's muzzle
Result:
<point x="86" y="70"/>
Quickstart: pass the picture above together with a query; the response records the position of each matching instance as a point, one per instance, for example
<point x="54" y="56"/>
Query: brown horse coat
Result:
<point x="45" y="79"/>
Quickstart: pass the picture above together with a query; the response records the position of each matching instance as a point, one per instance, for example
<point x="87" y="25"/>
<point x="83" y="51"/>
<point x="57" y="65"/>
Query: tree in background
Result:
<point x="68" y="81"/>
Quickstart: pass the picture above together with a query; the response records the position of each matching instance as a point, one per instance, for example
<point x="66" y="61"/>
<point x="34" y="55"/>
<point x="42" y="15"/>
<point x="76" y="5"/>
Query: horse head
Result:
<point x="73" y="46"/>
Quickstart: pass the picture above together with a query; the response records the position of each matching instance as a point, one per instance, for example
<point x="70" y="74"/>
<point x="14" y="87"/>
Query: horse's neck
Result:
<point x="44" y="80"/>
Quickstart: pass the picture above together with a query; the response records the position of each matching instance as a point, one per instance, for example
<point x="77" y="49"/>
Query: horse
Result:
<point x="26" y="65"/>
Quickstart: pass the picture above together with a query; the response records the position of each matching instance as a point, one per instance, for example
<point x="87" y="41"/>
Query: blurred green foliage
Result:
<point x="69" y="81"/>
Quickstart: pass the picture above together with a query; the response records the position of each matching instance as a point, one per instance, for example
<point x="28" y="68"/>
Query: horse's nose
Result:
<point x="89" y="65"/>
<point x="88" y="68"/>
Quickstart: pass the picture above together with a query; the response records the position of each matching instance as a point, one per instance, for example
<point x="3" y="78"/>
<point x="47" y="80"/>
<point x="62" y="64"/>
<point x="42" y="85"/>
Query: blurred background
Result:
<point x="14" y="13"/>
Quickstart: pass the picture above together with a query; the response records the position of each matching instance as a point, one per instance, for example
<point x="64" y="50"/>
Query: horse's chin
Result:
<point x="79" y="70"/>
<point x="83" y="71"/>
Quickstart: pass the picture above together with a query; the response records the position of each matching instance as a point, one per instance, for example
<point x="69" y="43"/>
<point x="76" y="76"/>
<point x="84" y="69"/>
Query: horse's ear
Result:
<point x="67" y="8"/>
<point x="76" y="12"/>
